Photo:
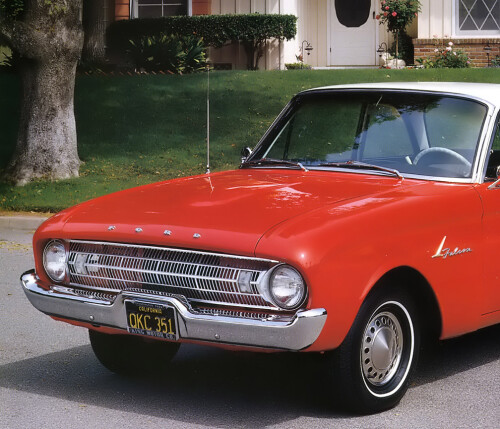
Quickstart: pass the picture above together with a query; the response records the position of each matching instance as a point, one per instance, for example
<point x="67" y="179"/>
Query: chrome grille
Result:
<point x="201" y="277"/>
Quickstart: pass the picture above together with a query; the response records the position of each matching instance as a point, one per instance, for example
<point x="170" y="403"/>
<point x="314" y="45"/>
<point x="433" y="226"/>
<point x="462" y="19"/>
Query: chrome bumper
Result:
<point x="287" y="333"/>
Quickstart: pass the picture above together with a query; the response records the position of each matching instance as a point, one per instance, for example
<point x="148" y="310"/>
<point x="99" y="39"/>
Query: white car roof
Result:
<point x="489" y="92"/>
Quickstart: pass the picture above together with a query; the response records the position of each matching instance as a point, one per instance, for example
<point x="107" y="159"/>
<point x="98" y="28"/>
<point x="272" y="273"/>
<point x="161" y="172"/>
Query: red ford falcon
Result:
<point x="366" y="218"/>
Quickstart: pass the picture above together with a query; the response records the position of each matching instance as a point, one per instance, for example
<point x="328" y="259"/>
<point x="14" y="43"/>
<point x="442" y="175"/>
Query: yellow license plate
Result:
<point x="154" y="320"/>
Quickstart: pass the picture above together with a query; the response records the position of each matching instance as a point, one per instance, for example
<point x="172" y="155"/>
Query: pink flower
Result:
<point x="416" y="14"/>
<point x="436" y="50"/>
<point x="394" y="13"/>
<point x="387" y="8"/>
<point x="448" y="48"/>
<point x="377" y="17"/>
<point x="383" y="2"/>
<point x="385" y="13"/>
<point x="450" y="43"/>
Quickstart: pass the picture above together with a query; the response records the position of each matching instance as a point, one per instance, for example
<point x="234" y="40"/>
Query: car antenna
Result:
<point x="208" y="119"/>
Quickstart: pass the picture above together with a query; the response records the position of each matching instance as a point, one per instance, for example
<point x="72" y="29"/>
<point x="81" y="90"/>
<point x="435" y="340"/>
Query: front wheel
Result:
<point x="132" y="355"/>
<point x="373" y="365"/>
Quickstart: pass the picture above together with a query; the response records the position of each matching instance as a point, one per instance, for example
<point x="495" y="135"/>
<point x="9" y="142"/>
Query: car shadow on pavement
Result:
<point x="219" y="388"/>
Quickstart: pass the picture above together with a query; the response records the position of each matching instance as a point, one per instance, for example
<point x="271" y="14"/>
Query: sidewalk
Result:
<point x="21" y="222"/>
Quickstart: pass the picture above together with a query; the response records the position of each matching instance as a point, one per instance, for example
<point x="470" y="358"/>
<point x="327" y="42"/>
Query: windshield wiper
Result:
<point x="362" y="165"/>
<point x="269" y="161"/>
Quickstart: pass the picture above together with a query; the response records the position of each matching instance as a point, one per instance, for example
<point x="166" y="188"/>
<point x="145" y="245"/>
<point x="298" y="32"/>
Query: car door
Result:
<point x="490" y="196"/>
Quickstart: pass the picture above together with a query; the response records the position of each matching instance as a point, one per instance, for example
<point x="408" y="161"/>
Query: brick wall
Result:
<point x="473" y="47"/>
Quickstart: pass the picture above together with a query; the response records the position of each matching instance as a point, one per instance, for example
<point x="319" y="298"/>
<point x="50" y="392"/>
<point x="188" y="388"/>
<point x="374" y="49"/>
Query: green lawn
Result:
<point x="139" y="129"/>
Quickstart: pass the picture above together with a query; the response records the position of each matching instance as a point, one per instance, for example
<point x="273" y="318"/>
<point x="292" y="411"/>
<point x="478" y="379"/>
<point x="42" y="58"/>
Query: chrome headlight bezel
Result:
<point x="62" y="249"/>
<point x="298" y="299"/>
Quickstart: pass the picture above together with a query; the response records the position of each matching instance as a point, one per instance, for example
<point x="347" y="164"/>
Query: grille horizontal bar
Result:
<point x="200" y="277"/>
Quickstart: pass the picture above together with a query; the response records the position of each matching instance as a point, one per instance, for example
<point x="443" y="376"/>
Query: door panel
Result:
<point x="490" y="196"/>
<point x="353" y="33"/>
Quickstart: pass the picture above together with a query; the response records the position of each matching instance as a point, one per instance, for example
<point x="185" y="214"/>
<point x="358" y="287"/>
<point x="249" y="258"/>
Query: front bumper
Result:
<point x="282" y="332"/>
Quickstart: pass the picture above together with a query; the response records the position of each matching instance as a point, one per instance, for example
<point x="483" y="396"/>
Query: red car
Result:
<point x="365" y="218"/>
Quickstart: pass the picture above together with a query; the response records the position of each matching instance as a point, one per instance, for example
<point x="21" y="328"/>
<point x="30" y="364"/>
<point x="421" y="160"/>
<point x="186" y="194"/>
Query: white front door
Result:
<point x="353" y="33"/>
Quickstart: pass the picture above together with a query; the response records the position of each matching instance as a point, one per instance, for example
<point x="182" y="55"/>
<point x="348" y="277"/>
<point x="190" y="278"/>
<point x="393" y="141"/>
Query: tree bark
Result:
<point x="49" y="40"/>
<point x="94" y="27"/>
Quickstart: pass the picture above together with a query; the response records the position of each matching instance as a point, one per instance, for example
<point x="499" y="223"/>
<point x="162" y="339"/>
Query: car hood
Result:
<point x="226" y="212"/>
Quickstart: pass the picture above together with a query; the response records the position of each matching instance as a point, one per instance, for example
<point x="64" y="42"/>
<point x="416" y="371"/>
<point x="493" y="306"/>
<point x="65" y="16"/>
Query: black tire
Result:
<point x="373" y="366"/>
<point x="132" y="355"/>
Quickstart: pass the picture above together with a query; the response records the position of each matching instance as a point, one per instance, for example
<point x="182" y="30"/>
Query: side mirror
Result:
<point x="245" y="153"/>
<point x="496" y="184"/>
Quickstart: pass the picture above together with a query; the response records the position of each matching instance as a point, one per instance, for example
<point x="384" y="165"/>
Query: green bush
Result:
<point x="495" y="62"/>
<point x="446" y="57"/>
<point x="10" y="61"/>
<point x="252" y="30"/>
<point x="173" y="54"/>
<point x="297" y="66"/>
<point x="11" y="8"/>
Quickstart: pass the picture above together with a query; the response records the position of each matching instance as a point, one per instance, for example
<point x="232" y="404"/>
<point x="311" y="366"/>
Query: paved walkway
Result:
<point x="20" y="221"/>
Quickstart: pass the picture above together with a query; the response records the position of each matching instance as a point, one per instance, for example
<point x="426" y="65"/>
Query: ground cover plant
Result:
<point x="134" y="130"/>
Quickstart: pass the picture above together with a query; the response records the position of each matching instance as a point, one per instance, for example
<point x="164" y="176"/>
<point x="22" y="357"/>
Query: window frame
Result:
<point x="134" y="8"/>
<point x="480" y="34"/>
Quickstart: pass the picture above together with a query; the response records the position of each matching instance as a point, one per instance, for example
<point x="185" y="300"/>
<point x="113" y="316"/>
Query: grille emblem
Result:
<point x="196" y="235"/>
<point x="138" y="230"/>
<point x="167" y="232"/>
<point x="111" y="228"/>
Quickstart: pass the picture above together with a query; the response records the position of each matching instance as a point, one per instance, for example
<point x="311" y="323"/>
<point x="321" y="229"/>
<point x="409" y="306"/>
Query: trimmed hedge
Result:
<point x="253" y="30"/>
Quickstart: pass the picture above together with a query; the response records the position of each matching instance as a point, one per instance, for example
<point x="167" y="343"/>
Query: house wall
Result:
<point x="436" y="28"/>
<point x="122" y="9"/>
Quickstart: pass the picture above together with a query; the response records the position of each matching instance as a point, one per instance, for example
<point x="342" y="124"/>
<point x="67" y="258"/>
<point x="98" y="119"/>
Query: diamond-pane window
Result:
<point x="479" y="16"/>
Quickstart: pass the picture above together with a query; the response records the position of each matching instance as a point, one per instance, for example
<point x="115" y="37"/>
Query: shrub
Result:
<point x="446" y="57"/>
<point x="495" y="62"/>
<point x="11" y="8"/>
<point x="10" y="63"/>
<point x="253" y="30"/>
<point x="297" y="66"/>
<point x="173" y="54"/>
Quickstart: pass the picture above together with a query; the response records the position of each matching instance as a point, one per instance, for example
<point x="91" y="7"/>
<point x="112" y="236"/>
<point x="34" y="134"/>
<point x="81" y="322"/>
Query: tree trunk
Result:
<point x="49" y="40"/>
<point x="255" y="51"/>
<point x="46" y="143"/>
<point x="94" y="27"/>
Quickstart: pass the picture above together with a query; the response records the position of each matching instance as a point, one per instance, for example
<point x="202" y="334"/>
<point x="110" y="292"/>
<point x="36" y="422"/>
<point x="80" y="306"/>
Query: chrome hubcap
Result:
<point x="381" y="348"/>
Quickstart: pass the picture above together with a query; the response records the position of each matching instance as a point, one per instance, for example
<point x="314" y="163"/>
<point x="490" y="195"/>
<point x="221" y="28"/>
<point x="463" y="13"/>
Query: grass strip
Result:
<point x="134" y="130"/>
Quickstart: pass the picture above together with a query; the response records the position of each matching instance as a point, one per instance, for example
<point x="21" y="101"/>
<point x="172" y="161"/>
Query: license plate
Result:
<point x="154" y="320"/>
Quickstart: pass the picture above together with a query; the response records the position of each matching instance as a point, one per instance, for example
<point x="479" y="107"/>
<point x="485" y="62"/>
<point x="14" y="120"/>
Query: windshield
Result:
<point x="414" y="133"/>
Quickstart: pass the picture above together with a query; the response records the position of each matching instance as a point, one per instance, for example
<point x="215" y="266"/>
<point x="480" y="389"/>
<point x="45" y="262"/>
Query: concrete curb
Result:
<point x="21" y="223"/>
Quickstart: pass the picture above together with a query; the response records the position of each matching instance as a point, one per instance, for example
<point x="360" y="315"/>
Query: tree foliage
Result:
<point x="11" y="8"/>
<point x="398" y="14"/>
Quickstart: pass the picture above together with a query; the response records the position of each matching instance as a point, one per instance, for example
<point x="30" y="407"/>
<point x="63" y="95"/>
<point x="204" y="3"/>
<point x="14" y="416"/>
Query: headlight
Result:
<point x="54" y="260"/>
<point x="287" y="287"/>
